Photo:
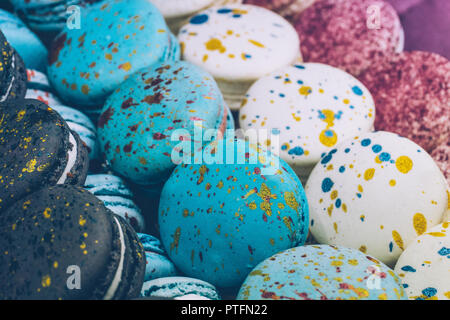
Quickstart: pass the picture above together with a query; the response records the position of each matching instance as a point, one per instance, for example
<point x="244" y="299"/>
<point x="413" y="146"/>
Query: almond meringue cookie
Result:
<point x="375" y="193"/>
<point x="237" y="45"/>
<point x="424" y="266"/>
<point x="177" y="12"/>
<point x="307" y="109"/>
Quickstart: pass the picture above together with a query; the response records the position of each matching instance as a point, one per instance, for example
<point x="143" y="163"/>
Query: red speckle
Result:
<point x="200" y="255"/>
<point x="159" y="136"/>
<point x="153" y="99"/>
<point x="105" y="117"/>
<point x="269" y="295"/>
<point x="127" y="148"/>
<point x="257" y="170"/>
<point x="264" y="217"/>
<point x="57" y="46"/>
<point x="134" y="127"/>
<point x="250" y="249"/>
<point x="128" y="103"/>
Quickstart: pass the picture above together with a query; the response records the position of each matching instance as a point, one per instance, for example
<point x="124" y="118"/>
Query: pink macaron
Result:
<point x="349" y="34"/>
<point x="412" y="97"/>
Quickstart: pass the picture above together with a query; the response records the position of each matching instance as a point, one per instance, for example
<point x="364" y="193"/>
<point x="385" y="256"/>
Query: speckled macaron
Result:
<point x="152" y="112"/>
<point x="117" y="197"/>
<point x="38" y="149"/>
<point x="180" y="288"/>
<point x="239" y="44"/>
<point x="117" y="38"/>
<point x="62" y="243"/>
<point x="286" y="8"/>
<point x="425" y="264"/>
<point x="349" y="34"/>
<point x="376" y="193"/>
<point x="322" y="272"/>
<point x="158" y="264"/>
<point x="412" y="97"/>
<point x="24" y="41"/>
<point x="12" y="73"/>
<point x="308" y="109"/>
<point x="177" y="12"/>
<point x="39" y="88"/>
<point x="220" y="217"/>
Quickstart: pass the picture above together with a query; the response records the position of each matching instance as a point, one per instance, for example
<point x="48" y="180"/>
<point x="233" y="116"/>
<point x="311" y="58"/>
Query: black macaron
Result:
<point x="37" y="149"/>
<point x="61" y="242"/>
<point x="13" y="74"/>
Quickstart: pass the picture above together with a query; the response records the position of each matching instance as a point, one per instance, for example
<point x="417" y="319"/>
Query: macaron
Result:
<point x="49" y="16"/>
<point x="39" y="88"/>
<point x="351" y="35"/>
<point x="412" y="96"/>
<point x="308" y="109"/>
<point x="117" y="38"/>
<point x="152" y="113"/>
<point x="117" y="197"/>
<point x="62" y="243"/>
<point x="38" y="149"/>
<point x="177" y="12"/>
<point x="158" y="264"/>
<point x="237" y="45"/>
<point x="24" y="41"/>
<point x="82" y="125"/>
<point x="12" y="73"/>
<point x="322" y="272"/>
<point x="286" y="8"/>
<point x="376" y="193"/>
<point x="180" y="288"/>
<point x="221" y="216"/>
<point x="424" y="265"/>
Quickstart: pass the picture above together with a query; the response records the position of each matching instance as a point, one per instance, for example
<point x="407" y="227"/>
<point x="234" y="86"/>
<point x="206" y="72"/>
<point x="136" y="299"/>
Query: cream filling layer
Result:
<point x="3" y="98"/>
<point x="71" y="161"/>
<point x="118" y="275"/>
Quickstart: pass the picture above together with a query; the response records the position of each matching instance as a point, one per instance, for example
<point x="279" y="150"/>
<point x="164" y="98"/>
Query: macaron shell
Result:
<point x="176" y="8"/>
<point x="424" y="265"/>
<point x="308" y="109"/>
<point x="87" y="64"/>
<point x="420" y="83"/>
<point x="286" y="8"/>
<point x="348" y="34"/>
<point x="42" y="239"/>
<point x="179" y="287"/>
<point x="321" y="272"/>
<point x="376" y="168"/>
<point x="239" y="42"/>
<point x="247" y="212"/>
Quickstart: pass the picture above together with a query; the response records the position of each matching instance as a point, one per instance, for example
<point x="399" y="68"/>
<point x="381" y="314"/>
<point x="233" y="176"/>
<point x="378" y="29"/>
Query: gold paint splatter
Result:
<point x="398" y="239"/>
<point x="404" y="164"/>
<point x="215" y="44"/>
<point x="368" y="175"/>
<point x="420" y="223"/>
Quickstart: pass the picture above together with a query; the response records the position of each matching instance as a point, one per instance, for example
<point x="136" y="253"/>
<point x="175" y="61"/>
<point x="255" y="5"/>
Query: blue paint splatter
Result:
<point x="298" y="66"/>
<point x="429" y="292"/>
<point x="199" y="19"/>
<point x="408" y="269"/>
<point x="327" y="184"/>
<point x="347" y="150"/>
<point x="391" y="246"/>
<point x="384" y="156"/>
<point x="298" y="151"/>
<point x="365" y="142"/>
<point x="341" y="169"/>
<point x="376" y="148"/>
<point x="326" y="159"/>
<point x="224" y="10"/>
<point x="338" y="203"/>
<point x="275" y="131"/>
<point x="357" y="90"/>
<point x="444" y="252"/>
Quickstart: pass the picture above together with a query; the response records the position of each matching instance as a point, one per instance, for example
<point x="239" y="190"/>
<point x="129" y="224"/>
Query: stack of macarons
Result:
<point x="121" y="162"/>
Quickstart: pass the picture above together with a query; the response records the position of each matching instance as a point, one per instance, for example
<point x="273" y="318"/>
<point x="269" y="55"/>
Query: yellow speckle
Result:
<point x="398" y="239"/>
<point x="336" y="263"/>
<point x="404" y="164"/>
<point x="215" y="44"/>
<point x="368" y="175"/>
<point x="363" y="249"/>
<point x="392" y="183"/>
<point x="46" y="281"/>
<point x="256" y="43"/>
<point x="20" y="115"/>
<point x="47" y="212"/>
<point x="353" y="262"/>
<point x="420" y="223"/>
<point x="305" y="90"/>
<point x="436" y="234"/>
<point x="82" y="221"/>
<point x="30" y="166"/>
<point x="334" y="194"/>
<point x="55" y="264"/>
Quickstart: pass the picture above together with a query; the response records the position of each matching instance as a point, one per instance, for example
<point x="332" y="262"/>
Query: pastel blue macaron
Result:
<point x="322" y="272"/>
<point x="158" y="264"/>
<point x="180" y="288"/>
<point x="221" y="216"/>
<point x="150" y="114"/>
<point x="117" y="197"/>
<point x="117" y="38"/>
<point x="81" y="124"/>
<point x="39" y="88"/>
<point x="26" y="43"/>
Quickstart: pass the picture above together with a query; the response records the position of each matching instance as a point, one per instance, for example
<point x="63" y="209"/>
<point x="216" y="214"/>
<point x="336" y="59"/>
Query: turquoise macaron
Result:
<point x="222" y="216"/>
<point x="179" y="288"/>
<point x="27" y="44"/>
<point x="117" y="197"/>
<point x="117" y="38"/>
<point x="322" y="272"/>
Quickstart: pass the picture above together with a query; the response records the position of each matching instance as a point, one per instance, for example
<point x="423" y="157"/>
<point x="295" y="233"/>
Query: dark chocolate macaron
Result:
<point x="13" y="74"/>
<point x="61" y="242"/>
<point x="38" y="149"/>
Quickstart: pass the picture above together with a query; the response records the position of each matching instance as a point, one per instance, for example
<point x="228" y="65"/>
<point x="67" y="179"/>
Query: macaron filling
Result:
<point x="72" y="155"/>
<point x="5" y="96"/>
<point x="118" y="275"/>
